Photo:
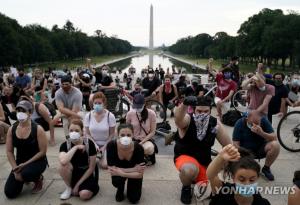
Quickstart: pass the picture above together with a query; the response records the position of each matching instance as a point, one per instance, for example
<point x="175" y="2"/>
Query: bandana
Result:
<point x="201" y="122"/>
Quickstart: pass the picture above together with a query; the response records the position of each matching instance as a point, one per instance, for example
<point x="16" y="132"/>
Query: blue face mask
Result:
<point x="246" y="190"/>
<point x="98" y="107"/>
<point x="227" y="75"/>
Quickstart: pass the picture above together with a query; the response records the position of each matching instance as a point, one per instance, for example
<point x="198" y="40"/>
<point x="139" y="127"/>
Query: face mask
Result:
<point x="104" y="72"/>
<point x="21" y="74"/>
<point x="151" y="75"/>
<point x="168" y="83"/>
<point x="22" y="116"/>
<point x="295" y="83"/>
<point x="236" y="63"/>
<point x="201" y="117"/>
<point x="74" y="136"/>
<point x="195" y="84"/>
<point x="98" y="107"/>
<point x="201" y="122"/>
<point x="277" y="82"/>
<point x="262" y="88"/>
<point x="125" y="140"/>
<point x="246" y="190"/>
<point x="227" y="75"/>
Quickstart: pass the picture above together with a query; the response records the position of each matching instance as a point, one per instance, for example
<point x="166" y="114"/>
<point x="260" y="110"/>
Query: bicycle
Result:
<point x="239" y="101"/>
<point x="288" y="131"/>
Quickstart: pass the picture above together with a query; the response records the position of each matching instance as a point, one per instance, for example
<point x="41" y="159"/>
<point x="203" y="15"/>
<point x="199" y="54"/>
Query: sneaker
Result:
<point x="66" y="194"/>
<point x="120" y="195"/>
<point x="267" y="173"/>
<point x="186" y="194"/>
<point x="38" y="186"/>
<point x="150" y="160"/>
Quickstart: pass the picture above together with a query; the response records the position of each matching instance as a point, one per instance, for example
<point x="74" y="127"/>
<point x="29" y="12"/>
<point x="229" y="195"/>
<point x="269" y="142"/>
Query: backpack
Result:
<point x="51" y="108"/>
<point x="41" y="121"/>
<point x="231" y="117"/>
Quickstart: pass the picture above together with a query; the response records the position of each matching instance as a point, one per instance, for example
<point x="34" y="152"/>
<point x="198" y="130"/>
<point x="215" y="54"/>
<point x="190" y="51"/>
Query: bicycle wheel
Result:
<point x="239" y="101"/>
<point x="288" y="131"/>
<point x="158" y="108"/>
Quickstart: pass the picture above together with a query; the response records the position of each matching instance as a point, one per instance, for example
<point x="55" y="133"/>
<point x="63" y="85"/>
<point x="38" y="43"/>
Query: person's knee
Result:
<point x="85" y="195"/>
<point x="148" y="148"/>
<point x="117" y="181"/>
<point x="65" y="168"/>
<point x="189" y="171"/>
<point x="11" y="192"/>
<point x="273" y="147"/>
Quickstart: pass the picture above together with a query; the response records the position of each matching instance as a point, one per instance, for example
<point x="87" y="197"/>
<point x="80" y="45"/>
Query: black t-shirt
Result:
<point x="195" y="92"/>
<point x="228" y="199"/>
<point x="275" y="103"/>
<point x="151" y="85"/>
<point x="80" y="159"/>
<point x="113" y="158"/>
<point x="181" y="87"/>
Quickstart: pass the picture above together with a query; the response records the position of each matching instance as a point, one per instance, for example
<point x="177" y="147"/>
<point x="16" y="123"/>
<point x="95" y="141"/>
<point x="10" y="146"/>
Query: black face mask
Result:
<point x="195" y="84"/>
<point x="21" y="74"/>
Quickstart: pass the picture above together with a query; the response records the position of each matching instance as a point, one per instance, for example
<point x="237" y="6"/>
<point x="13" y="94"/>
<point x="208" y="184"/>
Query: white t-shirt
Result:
<point x="100" y="130"/>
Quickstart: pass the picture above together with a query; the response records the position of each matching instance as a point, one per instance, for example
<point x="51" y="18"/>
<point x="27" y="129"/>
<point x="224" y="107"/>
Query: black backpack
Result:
<point x="51" y="108"/>
<point x="231" y="117"/>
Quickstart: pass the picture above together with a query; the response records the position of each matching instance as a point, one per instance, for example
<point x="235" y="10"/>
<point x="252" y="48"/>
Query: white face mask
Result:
<point x="22" y="116"/>
<point x="125" y="140"/>
<point x="262" y="88"/>
<point x="74" y="136"/>
<point x="140" y="110"/>
<point x="104" y="72"/>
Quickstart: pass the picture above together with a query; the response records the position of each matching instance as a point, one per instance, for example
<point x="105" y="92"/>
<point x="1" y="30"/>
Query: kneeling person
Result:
<point x="77" y="159"/>
<point x="194" y="139"/>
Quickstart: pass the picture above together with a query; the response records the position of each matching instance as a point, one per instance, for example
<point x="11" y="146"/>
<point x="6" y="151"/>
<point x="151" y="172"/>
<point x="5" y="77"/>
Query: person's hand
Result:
<point x="190" y="100"/>
<point x="81" y="147"/>
<point x="18" y="176"/>
<point x="102" y="149"/>
<point x="257" y="129"/>
<point x="75" y="190"/>
<point x="140" y="167"/>
<point x="230" y="153"/>
<point x="280" y="114"/>
<point x="19" y="168"/>
<point x="115" y="171"/>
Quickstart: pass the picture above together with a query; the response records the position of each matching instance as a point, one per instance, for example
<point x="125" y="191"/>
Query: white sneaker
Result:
<point x="66" y="194"/>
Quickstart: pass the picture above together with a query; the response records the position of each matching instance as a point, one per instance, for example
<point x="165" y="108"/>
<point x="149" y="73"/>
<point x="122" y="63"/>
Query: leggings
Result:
<point x="134" y="187"/>
<point x="30" y="173"/>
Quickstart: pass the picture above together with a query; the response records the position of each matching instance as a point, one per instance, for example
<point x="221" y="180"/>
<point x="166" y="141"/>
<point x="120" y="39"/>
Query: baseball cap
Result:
<point x="27" y="106"/>
<point x="138" y="101"/>
<point x="66" y="79"/>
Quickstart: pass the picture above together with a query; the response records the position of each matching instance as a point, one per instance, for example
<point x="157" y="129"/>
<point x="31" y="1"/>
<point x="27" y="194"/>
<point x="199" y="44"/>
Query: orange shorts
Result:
<point x="183" y="159"/>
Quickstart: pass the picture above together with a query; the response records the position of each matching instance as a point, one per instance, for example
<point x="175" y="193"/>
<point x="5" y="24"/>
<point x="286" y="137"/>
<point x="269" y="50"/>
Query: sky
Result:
<point x="129" y="19"/>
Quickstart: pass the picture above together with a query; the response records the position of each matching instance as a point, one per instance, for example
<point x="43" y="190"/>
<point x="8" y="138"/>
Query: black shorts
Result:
<point x="90" y="184"/>
<point x="152" y="141"/>
<point x="260" y="153"/>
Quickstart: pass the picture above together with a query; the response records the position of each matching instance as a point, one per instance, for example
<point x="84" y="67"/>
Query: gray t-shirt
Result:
<point x="71" y="99"/>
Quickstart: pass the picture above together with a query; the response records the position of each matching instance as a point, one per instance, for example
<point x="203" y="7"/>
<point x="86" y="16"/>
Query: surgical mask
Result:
<point x="262" y="88"/>
<point x="22" y="116"/>
<point x="295" y="82"/>
<point x="104" y="72"/>
<point x="151" y="75"/>
<point x="74" y="136"/>
<point x="126" y="140"/>
<point x="246" y="190"/>
<point x="227" y="75"/>
<point x="98" y="107"/>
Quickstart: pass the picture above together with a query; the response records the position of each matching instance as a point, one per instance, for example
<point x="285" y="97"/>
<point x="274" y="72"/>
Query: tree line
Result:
<point x="270" y="36"/>
<point x="35" y="44"/>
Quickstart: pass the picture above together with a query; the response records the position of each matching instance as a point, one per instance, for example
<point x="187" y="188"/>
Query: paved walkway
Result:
<point x="161" y="184"/>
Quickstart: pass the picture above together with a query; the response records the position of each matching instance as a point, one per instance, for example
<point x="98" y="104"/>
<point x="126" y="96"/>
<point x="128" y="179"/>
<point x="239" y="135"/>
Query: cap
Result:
<point x="66" y="79"/>
<point x="138" y="101"/>
<point x="27" y="106"/>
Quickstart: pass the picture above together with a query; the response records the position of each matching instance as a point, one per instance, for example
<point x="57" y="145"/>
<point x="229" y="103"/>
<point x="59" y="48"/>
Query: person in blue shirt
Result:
<point x="256" y="134"/>
<point x="23" y="81"/>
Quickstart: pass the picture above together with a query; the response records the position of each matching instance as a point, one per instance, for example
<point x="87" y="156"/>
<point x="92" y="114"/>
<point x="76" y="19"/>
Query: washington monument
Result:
<point x="151" y="29"/>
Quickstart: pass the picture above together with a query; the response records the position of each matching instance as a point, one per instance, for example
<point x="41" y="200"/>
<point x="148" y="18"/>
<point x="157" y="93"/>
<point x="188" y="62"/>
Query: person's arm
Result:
<point x="152" y="128"/>
<point x="160" y="95"/>
<point x="283" y="105"/>
<point x="2" y="115"/>
<point x="228" y="97"/>
<point x="182" y="120"/>
<point x="28" y="86"/>
<point x="66" y="111"/>
<point x="246" y="84"/>
<point x="267" y="136"/>
<point x="43" y="111"/>
<point x="228" y="153"/>
<point x="265" y="103"/>
<point x="65" y="157"/>
<point x="294" y="196"/>
<point x="10" y="149"/>
<point x="42" y="143"/>
<point x="116" y="171"/>
<point x="222" y="135"/>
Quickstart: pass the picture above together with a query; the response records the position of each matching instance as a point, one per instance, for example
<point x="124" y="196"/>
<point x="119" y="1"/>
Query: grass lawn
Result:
<point x="81" y="62"/>
<point x="217" y="64"/>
